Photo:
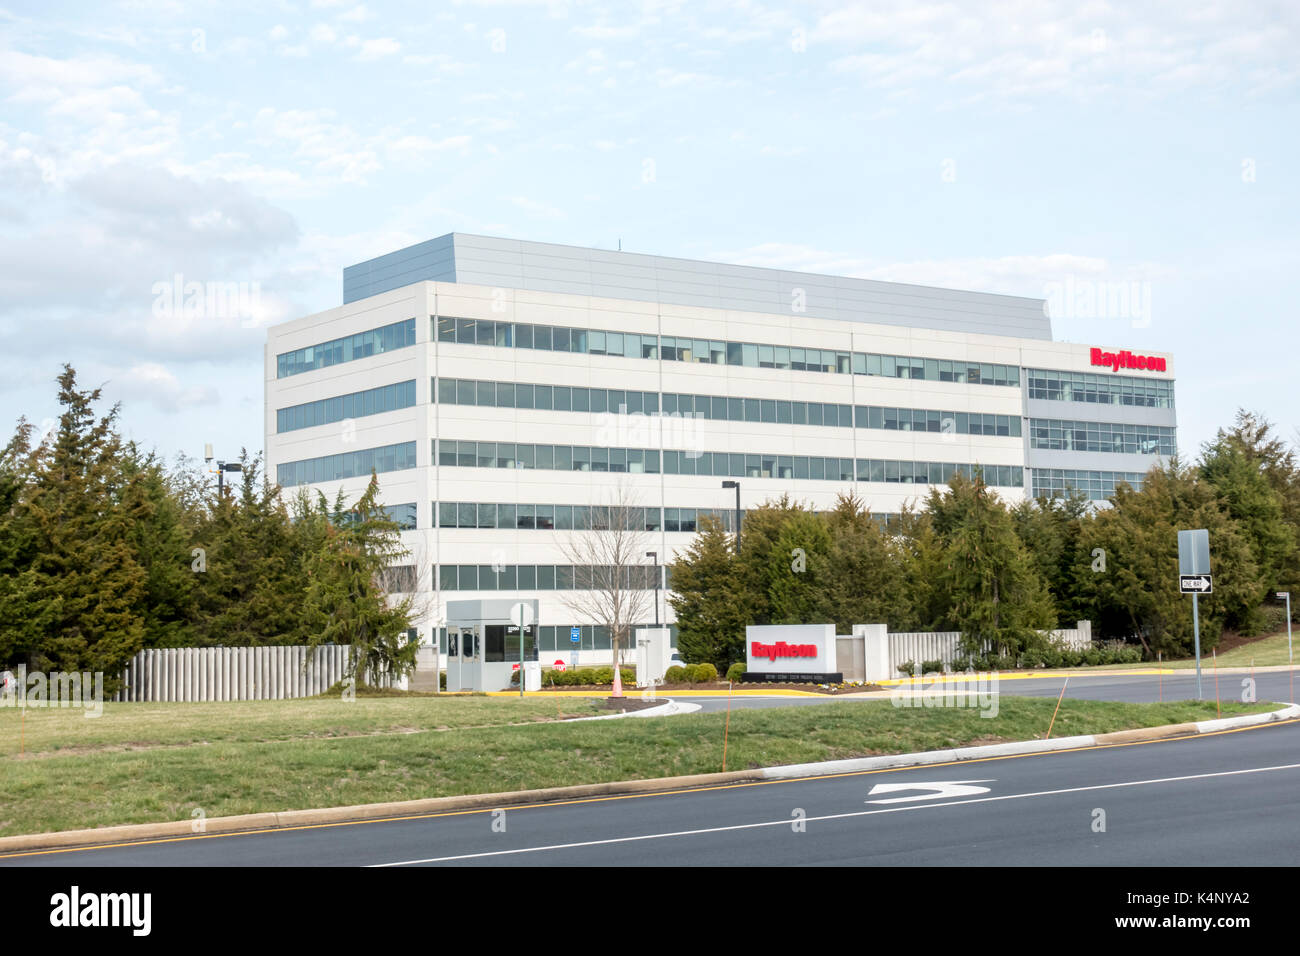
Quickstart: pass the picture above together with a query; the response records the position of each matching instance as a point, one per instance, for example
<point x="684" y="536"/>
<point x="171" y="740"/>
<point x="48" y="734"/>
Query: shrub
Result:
<point x="907" y="667"/>
<point x="627" y="675"/>
<point x="932" y="667"/>
<point x="677" y="675"/>
<point x="705" y="673"/>
<point x="1033" y="657"/>
<point x="735" y="672"/>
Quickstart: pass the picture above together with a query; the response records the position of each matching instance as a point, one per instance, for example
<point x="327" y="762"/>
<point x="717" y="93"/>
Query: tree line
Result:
<point x="1006" y="574"/>
<point x="104" y="551"/>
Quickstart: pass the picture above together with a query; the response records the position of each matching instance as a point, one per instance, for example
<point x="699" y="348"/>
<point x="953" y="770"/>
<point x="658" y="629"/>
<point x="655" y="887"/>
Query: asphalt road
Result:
<point x="1270" y="685"/>
<point x="1227" y="799"/>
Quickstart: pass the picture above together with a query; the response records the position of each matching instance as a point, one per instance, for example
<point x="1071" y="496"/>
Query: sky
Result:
<point x="1134" y="164"/>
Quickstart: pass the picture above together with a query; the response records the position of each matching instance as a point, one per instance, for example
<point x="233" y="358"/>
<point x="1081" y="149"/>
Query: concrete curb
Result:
<point x="669" y="708"/>
<point x="1026" y="746"/>
<point x="180" y="829"/>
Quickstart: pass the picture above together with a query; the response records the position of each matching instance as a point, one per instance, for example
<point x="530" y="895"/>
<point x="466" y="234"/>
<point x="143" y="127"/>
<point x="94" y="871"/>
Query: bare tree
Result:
<point x="613" y="585"/>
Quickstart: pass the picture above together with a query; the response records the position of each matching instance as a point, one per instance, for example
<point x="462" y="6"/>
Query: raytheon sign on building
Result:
<point x="1126" y="359"/>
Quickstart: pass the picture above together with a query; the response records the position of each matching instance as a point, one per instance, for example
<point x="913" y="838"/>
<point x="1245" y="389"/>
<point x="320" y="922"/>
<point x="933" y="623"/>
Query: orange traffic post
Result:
<point x="726" y="729"/>
<point x="1215" y="658"/>
<point x="1058" y="707"/>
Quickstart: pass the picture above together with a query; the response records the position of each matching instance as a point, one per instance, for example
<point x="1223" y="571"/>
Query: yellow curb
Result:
<point x="660" y="692"/>
<point x="1023" y="675"/>
<point x="131" y="833"/>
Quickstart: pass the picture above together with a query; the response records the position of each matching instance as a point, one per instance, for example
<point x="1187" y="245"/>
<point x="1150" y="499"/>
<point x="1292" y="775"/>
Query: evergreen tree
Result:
<point x="162" y="537"/>
<point x="252" y="588"/>
<point x="79" y="508"/>
<point x="796" y="562"/>
<point x="345" y="600"/>
<point x="1049" y="528"/>
<point x="1252" y="477"/>
<point x="1137" y="595"/>
<point x="861" y="578"/>
<point x="25" y="617"/>
<point x="711" y="607"/>
<point x="998" y="597"/>
<point x="923" y="565"/>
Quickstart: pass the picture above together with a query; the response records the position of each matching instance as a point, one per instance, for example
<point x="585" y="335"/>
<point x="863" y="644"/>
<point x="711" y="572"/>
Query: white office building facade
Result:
<point x="500" y="389"/>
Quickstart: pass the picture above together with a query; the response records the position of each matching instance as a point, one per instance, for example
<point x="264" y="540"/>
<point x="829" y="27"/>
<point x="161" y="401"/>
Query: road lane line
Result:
<point x="834" y="816"/>
<point x="407" y="818"/>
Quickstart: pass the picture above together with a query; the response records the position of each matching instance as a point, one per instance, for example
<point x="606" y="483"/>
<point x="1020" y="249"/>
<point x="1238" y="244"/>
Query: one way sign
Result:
<point x="1196" y="583"/>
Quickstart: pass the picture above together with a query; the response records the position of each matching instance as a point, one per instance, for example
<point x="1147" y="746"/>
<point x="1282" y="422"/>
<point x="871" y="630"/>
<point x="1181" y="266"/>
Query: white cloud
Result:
<point x="379" y="48"/>
<point x="155" y="384"/>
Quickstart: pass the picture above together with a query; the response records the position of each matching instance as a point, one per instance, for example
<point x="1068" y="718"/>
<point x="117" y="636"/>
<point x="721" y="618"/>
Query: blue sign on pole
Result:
<point x="575" y="635"/>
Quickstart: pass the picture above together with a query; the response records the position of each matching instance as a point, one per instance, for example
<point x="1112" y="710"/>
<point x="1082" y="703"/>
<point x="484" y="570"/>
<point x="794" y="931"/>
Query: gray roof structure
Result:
<point x="549" y="267"/>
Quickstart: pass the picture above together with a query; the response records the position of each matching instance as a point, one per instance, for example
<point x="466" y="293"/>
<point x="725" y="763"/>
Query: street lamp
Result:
<point x="736" y="485"/>
<point x="655" y="556"/>
<point x="222" y="468"/>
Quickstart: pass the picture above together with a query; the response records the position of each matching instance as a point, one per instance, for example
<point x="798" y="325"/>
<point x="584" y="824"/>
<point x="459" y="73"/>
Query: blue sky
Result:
<point x="1017" y="147"/>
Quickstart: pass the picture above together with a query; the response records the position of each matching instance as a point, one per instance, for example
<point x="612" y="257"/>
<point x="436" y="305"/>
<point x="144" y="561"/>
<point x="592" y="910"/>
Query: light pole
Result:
<point x="222" y="468"/>
<point x="736" y="485"/>
<point x="655" y="556"/>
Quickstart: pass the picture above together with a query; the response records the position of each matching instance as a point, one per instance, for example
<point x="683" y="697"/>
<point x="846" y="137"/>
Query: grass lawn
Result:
<point x="146" y="726"/>
<point x="143" y="763"/>
<point x="1265" y="652"/>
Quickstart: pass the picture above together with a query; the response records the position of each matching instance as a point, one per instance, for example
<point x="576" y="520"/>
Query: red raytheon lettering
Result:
<point x="781" y="649"/>
<point x="1118" y="360"/>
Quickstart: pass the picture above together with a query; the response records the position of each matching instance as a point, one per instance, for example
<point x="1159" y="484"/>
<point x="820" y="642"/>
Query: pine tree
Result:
<point x="998" y="596"/>
<point x="79" y="508"/>
<point x="712" y="609"/>
<point x="1136" y="596"/>
<point x="1252" y="478"/>
<point x="345" y="600"/>
<point x="861" y="578"/>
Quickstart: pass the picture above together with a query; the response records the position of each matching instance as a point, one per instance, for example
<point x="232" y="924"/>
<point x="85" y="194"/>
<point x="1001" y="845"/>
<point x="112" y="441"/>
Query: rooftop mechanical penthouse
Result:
<point x="505" y="391"/>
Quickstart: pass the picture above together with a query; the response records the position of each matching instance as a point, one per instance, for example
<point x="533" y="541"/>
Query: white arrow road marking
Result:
<point x="785" y="822"/>
<point x="946" y="788"/>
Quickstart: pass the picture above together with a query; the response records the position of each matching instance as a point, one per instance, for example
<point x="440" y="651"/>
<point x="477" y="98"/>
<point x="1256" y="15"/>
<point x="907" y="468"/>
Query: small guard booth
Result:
<point x="483" y="645"/>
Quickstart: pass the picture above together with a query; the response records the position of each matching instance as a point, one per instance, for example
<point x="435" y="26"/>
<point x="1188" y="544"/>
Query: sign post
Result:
<point x="1194" y="576"/>
<point x="575" y="638"/>
<point x="522" y="615"/>
<point x="1290" y="656"/>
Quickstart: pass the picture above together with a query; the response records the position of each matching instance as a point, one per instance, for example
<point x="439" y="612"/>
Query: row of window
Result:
<point x="469" y="514"/>
<point x="714" y="352"/>
<point x="403" y="515"/>
<point x="557" y="638"/>
<point x="544" y="577"/>
<point x="326" y="411"/>
<point x="347" y="349"/>
<point x="532" y="517"/>
<point x="470" y="454"/>
<point x="1101" y="436"/>
<point x="566" y="398"/>
<point x="347" y="465"/>
<point x="1097" y="485"/>
<point x="1099" y="389"/>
